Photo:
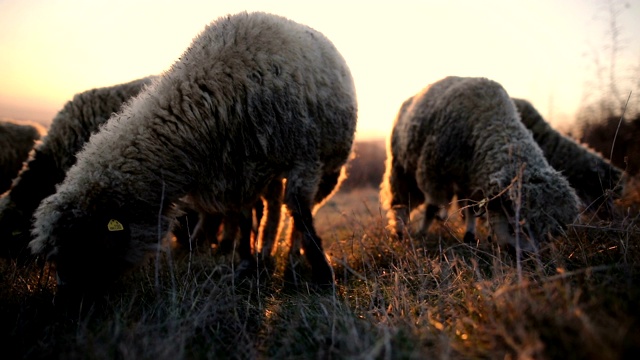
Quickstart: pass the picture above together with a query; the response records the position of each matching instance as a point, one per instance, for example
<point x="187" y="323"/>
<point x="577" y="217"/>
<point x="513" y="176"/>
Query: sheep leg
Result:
<point x="500" y="227"/>
<point x="185" y="226"/>
<point x="327" y="185"/>
<point x="470" y="220"/>
<point x="206" y="231"/>
<point x="245" y="224"/>
<point x="230" y="225"/>
<point x="312" y="246"/>
<point x="270" y="224"/>
<point x="405" y="196"/>
<point x="430" y="213"/>
<point x="258" y="210"/>
<point x="298" y="198"/>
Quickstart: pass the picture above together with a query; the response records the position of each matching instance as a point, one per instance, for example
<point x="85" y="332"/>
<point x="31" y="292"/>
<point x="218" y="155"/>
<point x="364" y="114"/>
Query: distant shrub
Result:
<point x="367" y="166"/>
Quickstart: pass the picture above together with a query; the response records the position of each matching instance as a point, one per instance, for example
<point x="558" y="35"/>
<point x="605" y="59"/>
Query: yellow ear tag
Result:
<point x="115" y="225"/>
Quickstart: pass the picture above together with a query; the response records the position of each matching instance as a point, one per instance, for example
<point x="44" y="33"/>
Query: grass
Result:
<point x="421" y="298"/>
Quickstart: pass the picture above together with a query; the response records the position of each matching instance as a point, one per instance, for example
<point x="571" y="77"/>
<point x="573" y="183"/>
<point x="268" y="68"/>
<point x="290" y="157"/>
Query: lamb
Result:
<point x="597" y="182"/>
<point x="17" y="140"/>
<point x="462" y="136"/>
<point x="69" y="130"/>
<point x="254" y="99"/>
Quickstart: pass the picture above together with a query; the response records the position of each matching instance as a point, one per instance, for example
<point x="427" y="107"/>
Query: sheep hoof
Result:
<point x="469" y="238"/>
<point x="266" y="262"/>
<point x="420" y="234"/>
<point x="246" y="268"/>
<point x="323" y="275"/>
<point x="225" y="246"/>
<point x="297" y="269"/>
<point x="291" y="271"/>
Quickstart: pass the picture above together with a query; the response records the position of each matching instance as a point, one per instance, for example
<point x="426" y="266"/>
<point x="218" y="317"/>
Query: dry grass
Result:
<point x="423" y="298"/>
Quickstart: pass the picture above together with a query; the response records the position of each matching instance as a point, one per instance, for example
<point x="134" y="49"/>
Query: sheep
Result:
<point x="462" y="136"/>
<point x="17" y="140"/>
<point x="596" y="181"/>
<point x="69" y="130"/>
<point x="255" y="98"/>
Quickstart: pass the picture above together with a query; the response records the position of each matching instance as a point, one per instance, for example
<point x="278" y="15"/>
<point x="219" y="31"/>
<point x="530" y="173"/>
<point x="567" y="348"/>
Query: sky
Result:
<point x="541" y="50"/>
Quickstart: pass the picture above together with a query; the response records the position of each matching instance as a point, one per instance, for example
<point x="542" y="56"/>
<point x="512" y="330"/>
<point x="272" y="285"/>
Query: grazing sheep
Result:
<point x="16" y="141"/>
<point x="69" y="131"/>
<point x="462" y="136"/>
<point x="255" y="98"/>
<point x="597" y="182"/>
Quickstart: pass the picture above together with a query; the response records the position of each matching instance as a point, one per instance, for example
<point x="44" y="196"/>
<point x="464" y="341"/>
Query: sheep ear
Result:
<point x="111" y="216"/>
<point x="112" y="225"/>
<point x="115" y="231"/>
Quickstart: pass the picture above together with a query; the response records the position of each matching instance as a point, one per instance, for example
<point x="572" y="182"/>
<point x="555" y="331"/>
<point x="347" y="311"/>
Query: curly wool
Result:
<point x="462" y="136"/>
<point x="256" y="97"/>
<point x="16" y="141"/>
<point x="69" y="131"/>
<point x="597" y="182"/>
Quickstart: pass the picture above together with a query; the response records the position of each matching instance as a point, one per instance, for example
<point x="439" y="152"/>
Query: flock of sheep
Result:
<point x="262" y="110"/>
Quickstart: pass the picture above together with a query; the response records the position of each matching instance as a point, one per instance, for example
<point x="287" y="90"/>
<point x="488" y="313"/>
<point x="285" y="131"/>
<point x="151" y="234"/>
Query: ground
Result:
<point x="432" y="297"/>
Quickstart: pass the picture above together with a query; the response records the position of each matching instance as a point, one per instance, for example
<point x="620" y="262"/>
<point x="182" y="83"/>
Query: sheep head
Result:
<point x="537" y="205"/>
<point x="89" y="249"/>
<point x="601" y="184"/>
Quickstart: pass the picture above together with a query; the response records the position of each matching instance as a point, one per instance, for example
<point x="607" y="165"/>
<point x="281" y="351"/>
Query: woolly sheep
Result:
<point x="16" y="141"/>
<point x="256" y="97"/>
<point x="69" y="131"/>
<point x="597" y="182"/>
<point x="462" y="136"/>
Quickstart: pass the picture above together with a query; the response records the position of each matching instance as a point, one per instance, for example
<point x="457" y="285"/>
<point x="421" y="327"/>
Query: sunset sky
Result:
<point x="542" y="50"/>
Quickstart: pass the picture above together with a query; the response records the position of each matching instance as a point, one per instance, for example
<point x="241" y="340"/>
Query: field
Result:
<point x="432" y="297"/>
